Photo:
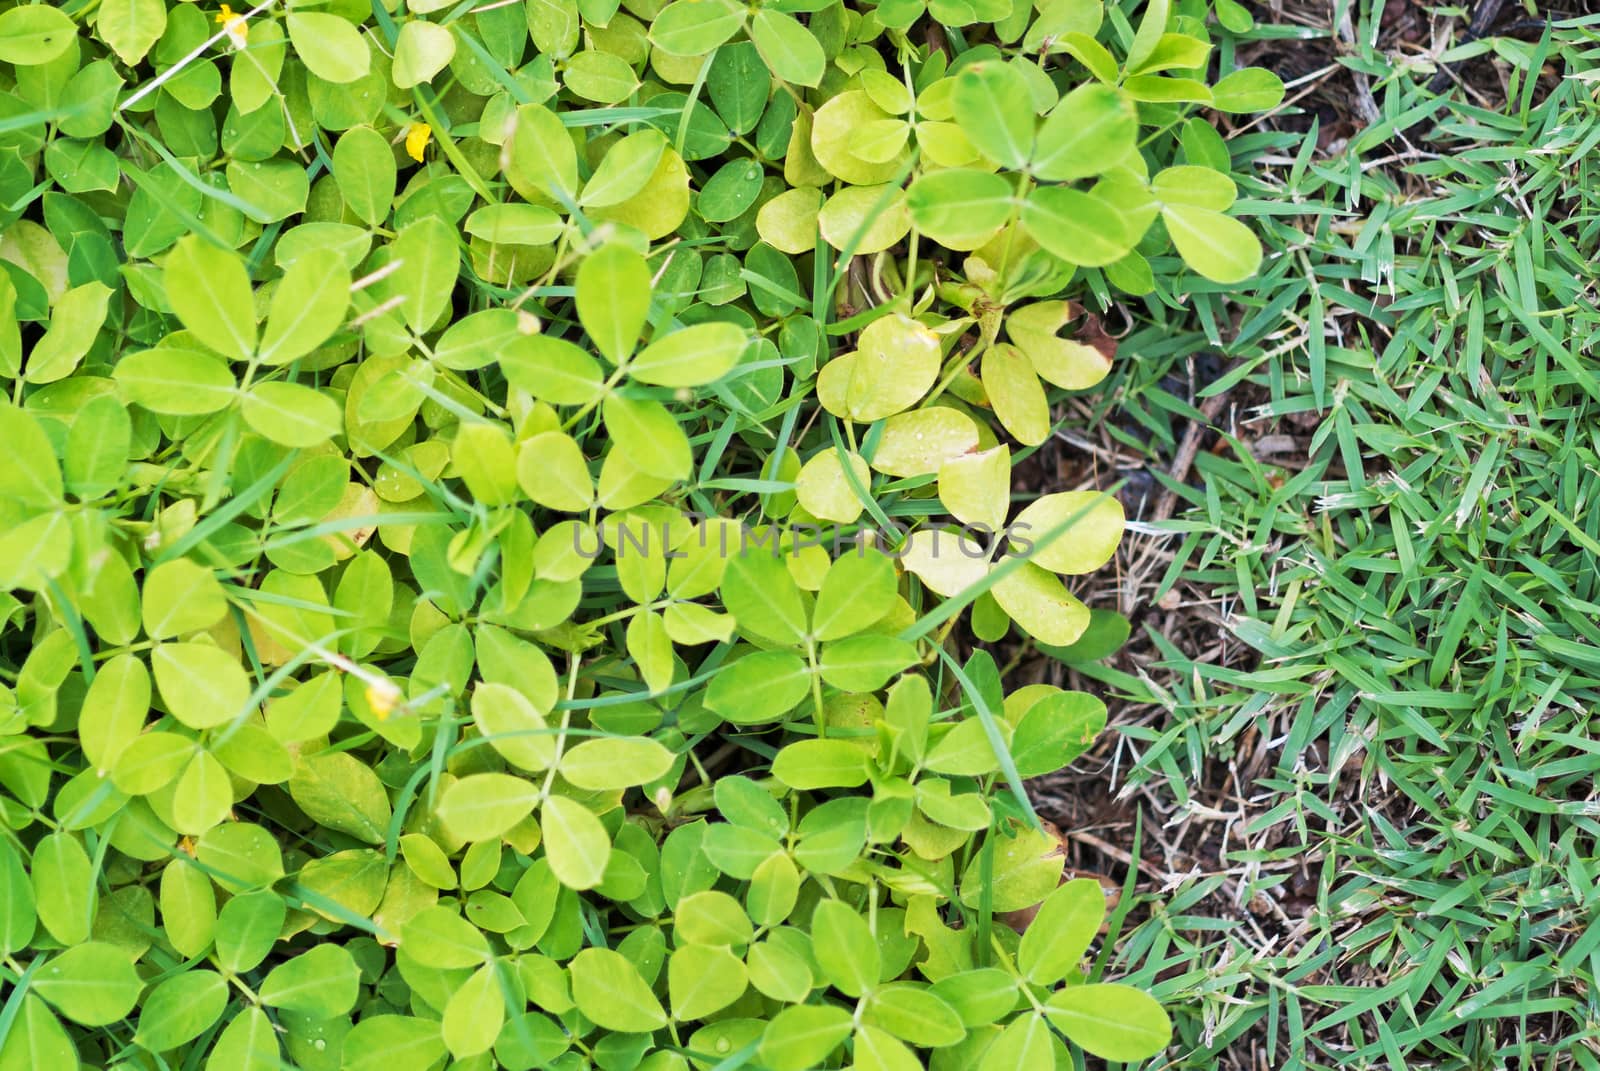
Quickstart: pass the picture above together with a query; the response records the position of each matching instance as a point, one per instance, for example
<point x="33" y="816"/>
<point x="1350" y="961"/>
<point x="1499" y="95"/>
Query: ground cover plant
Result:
<point x="499" y="501"/>
<point x="1365" y="660"/>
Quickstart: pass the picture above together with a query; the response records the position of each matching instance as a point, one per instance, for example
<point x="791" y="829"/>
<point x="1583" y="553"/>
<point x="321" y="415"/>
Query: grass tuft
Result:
<point x="1360" y="722"/>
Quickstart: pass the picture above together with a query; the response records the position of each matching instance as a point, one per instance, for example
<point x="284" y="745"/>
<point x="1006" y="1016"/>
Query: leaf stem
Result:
<point x="816" y="689"/>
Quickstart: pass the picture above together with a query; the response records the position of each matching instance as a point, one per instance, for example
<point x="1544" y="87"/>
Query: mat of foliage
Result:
<point x="479" y="554"/>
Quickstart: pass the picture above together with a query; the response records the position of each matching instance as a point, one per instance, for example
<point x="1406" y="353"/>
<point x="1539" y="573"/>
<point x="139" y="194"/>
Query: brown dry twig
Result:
<point x="1482" y="18"/>
<point x="1365" y="104"/>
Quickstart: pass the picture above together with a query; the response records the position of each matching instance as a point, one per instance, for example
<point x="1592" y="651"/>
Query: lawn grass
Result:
<point x="1380" y="777"/>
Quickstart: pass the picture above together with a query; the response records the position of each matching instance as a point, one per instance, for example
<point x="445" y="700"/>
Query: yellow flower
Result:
<point x="382" y="700"/>
<point x="417" y="137"/>
<point x="237" y="29"/>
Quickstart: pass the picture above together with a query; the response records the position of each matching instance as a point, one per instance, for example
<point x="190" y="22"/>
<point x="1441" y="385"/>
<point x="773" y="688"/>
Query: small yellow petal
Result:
<point x="417" y="138"/>
<point x="235" y="26"/>
<point x="381" y="700"/>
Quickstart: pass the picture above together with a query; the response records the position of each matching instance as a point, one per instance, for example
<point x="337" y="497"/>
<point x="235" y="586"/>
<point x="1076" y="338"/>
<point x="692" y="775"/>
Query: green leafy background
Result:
<point x="386" y="388"/>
